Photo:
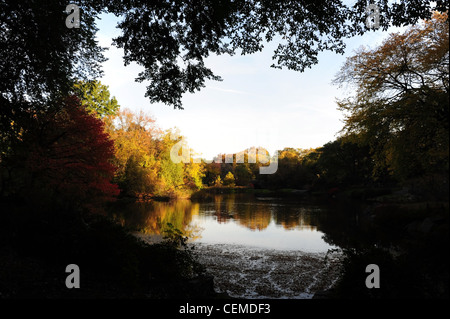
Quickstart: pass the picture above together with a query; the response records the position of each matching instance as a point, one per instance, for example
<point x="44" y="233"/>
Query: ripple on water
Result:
<point x="246" y="272"/>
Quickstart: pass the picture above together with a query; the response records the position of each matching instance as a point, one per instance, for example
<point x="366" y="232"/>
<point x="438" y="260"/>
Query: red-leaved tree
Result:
<point x="69" y="158"/>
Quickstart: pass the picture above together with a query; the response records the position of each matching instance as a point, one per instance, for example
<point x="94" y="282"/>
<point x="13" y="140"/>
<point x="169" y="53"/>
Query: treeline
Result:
<point x="396" y="122"/>
<point x="337" y="163"/>
<point x="81" y="148"/>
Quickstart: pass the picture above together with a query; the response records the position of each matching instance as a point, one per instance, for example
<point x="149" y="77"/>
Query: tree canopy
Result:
<point x="400" y="107"/>
<point x="40" y="60"/>
<point x="41" y="57"/>
<point x="171" y="39"/>
<point x="96" y="97"/>
<point x="63" y="159"/>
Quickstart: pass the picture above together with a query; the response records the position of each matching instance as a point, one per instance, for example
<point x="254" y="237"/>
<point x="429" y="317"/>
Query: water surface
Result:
<point x="254" y="247"/>
<point x="234" y="219"/>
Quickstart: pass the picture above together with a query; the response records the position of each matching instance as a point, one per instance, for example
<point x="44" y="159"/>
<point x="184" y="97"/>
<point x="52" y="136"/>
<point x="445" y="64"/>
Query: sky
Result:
<point x="254" y="105"/>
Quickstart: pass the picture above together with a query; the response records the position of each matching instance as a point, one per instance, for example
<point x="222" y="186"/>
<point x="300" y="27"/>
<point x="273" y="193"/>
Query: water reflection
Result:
<point x="236" y="218"/>
<point x="152" y="218"/>
<point x="257" y="214"/>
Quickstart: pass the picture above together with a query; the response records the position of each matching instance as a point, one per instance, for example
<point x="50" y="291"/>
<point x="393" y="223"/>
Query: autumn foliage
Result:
<point x="70" y="156"/>
<point x="142" y="157"/>
<point x="400" y="107"/>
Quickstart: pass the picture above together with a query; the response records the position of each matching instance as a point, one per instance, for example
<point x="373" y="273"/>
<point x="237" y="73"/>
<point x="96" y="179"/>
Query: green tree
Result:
<point x="135" y="137"/>
<point x="291" y="173"/>
<point x="193" y="174"/>
<point x="212" y="170"/>
<point x="136" y="179"/>
<point x="171" y="173"/>
<point x="96" y="97"/>
<point x="243" y="174"/>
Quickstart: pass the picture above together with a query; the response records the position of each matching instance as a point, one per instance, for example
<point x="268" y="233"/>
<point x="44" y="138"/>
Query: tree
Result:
<point x="291" y="171"/>
<point x="134" y="135"/>
<point x="212" y="170"/>
<point x="136" y="178"/>
<point x="67" y="159"/>
<point x="143" y="157"/>
<point x="193" y="174"/>
<point x="96" y="97"/>
<point x="229" y="180"/>
<point x="218" y="182"/>
<point x="40" y="60"/>
<point x="343" y="162"/>
<point x="400" y="107"/>
<point x="243" y="174"/>
<point x="171" y="39"/>
<point x="40" y="57"/>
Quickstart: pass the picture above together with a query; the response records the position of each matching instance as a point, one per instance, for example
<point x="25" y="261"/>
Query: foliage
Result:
<point x="136" y="179"/>
<point x="40" y="60"/>
<point x="142" y="157"/>
<point x="63" y="159"/>
<point x="96" y="97"/>
<point x="343" y="162"/>
<point x="58" y="157"/>
<point x="135" y="153"/>
<point x="400" y="108"/>
<point x="193" y="174"/>
<point x="229" y="180"/>
<point x="171" y="39"/>
<point x="218" y="182"/>
<point x="72" y="156"/>
<point x="243" y="174"/>
<point x="174" y="236"/>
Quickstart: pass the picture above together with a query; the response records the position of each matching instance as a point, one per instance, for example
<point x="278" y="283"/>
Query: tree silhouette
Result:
<point x="400" y="107"/>
<point x="171" y="39"/>
<point x="40" y="59"/>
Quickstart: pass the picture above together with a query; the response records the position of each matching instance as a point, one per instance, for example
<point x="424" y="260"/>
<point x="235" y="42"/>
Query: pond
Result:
<point x="255" y="247"/>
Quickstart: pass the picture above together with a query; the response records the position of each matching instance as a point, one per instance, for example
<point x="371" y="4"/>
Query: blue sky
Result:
<point x="254" y="105"/>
